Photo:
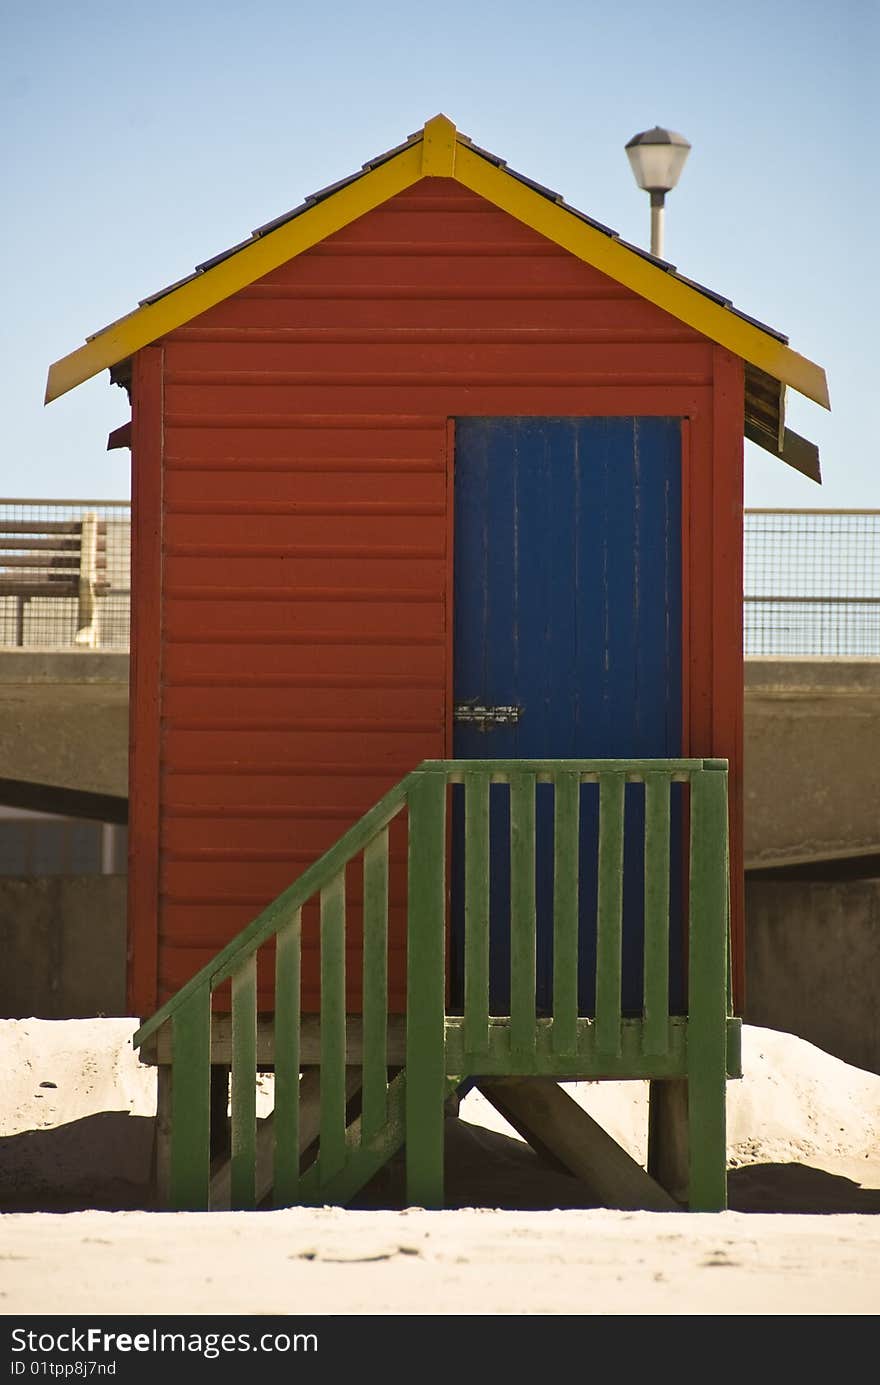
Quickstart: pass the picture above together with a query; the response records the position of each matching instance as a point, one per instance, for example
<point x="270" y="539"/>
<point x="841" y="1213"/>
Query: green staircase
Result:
<point x="351" y="1090"/>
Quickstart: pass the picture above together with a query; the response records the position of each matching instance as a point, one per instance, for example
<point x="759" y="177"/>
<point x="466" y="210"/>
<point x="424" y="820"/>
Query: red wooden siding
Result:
<point x="306" y="538"/>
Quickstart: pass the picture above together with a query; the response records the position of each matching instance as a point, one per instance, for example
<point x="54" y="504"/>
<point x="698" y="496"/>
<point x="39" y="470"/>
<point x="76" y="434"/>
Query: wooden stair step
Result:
<point x="309" y="1127"/>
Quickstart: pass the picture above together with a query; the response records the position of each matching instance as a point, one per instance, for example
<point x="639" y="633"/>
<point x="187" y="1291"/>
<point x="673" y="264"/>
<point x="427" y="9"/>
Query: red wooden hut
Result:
<point x="301" y="407"/>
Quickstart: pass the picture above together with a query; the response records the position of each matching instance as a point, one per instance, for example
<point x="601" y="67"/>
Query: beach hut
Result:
<point x="436" y="688"/>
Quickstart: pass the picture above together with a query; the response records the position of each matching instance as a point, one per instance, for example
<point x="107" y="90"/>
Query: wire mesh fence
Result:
<point x="41" y="567"/>
<point x="811" y="578"/>
<point x="812" y="582"/>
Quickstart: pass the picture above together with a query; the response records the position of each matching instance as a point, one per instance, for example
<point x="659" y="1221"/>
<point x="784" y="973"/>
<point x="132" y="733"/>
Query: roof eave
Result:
<point x="795" y="451"/>
<point x="439" y="151"/>
<point x="255" y="259"/>
<point x="643" y="276"/>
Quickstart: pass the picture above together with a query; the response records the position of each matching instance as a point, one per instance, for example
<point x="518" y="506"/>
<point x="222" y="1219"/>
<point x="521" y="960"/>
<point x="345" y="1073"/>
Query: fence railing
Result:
<point x="812" y="582"/>
<point x="371" y="1080"/>
<point x="40" y="617"/>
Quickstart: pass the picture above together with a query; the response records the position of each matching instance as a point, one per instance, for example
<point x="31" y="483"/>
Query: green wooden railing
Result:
<point x="384" y="1080"/>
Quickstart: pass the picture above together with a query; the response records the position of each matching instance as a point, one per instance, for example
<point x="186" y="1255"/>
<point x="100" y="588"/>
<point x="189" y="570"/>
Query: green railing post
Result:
<point x="609" y="922"/>
<point x="375" y="989"/>
<point x="426" y="991"/>
<point x="523" y="927"/>
<point x="244" y="1084"/>
<point x="656" y="945"/>
<point x="287" y="1063"/>
<point x="191" y="1104"/>
<point x="566" y="853"/>
<point x="707" y="991"/>
<point x="476" y="912"/>
<point x="331" y="1152"/>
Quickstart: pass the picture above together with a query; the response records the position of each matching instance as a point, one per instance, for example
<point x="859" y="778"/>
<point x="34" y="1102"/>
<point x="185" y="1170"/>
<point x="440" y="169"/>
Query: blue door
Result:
<point x="568" y="611"/>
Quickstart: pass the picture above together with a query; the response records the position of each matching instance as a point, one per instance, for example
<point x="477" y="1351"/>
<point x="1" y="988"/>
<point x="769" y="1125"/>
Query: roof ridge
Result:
<point x="396" y="169"/>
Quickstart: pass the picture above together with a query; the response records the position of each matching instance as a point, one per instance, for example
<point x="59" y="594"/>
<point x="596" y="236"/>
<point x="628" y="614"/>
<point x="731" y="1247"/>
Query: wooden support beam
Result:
<point x="502" y="1058"/>
<point x="553" y="1122"/>
<point x="157" y="1048"/>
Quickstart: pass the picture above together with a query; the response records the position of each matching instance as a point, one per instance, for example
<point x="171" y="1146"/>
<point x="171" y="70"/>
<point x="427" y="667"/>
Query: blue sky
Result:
<point x="140" y="140"/>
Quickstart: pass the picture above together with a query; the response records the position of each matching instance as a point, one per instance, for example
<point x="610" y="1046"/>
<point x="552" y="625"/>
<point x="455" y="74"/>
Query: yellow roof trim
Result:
<point x="439" y="152"/>
<point x="657" y="285"/>
<point x="196" y="295"/>
<point x="439" y="145"/>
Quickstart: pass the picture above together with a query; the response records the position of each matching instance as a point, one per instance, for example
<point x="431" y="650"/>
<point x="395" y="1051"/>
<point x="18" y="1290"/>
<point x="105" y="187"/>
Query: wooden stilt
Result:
<point x="161" y="1170"/>
<point x="668" y="1136"/>
<point x="707" y="996"/>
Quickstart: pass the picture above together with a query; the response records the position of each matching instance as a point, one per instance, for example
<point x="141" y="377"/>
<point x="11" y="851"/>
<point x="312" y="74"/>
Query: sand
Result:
<point x="802" y="1236"/>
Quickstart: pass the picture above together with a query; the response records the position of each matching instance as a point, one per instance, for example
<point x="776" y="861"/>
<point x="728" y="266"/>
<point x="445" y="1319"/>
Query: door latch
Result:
<point x="484" y="718"/>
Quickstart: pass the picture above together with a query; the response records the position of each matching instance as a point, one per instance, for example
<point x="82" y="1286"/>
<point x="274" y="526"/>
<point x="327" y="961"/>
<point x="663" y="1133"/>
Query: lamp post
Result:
<point x="657" y="157"/>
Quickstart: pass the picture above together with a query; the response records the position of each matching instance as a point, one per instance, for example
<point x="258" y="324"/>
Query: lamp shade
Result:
<point x="657" y="157"/>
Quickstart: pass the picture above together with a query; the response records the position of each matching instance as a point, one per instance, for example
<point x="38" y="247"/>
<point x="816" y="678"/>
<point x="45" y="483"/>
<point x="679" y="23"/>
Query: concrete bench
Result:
<point x="56" y="558"/>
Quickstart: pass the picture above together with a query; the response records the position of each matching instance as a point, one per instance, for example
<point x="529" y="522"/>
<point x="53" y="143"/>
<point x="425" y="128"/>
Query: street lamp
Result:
<point x="657" y="157"/>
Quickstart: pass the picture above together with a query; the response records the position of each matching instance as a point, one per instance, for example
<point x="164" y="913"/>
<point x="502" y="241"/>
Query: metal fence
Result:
<point x="812" y="581"/>
<point x="51" y="621"/>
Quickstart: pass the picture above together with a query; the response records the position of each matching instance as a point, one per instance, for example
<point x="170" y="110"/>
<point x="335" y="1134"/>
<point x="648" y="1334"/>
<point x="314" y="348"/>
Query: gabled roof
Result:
<point x="439" y="150"/>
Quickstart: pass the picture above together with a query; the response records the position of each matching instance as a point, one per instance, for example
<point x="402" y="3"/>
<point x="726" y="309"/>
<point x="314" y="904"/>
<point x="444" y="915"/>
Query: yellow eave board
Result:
<point x="440" y="153"/>
<point x="658" y="286"/>
<point x="196" y="295"/>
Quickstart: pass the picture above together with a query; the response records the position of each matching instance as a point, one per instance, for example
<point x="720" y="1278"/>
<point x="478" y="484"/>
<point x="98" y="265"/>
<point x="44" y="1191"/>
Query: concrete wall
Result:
<point x="812" y="743"/>
<point x="63" y="946"/>
<point x="812" y="751"/>
<point x="812" y="760"/>
<point x="64" y="718"/>
<point x="813" y="964"/>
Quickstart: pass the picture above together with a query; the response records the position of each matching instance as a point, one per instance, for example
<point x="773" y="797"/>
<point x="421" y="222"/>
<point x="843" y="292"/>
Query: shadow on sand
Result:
<point x="101" y="1161"/>
<point x="797" y="1188"/>
<point x="104" y="1161"/>
<point x="487" y="1169"/>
